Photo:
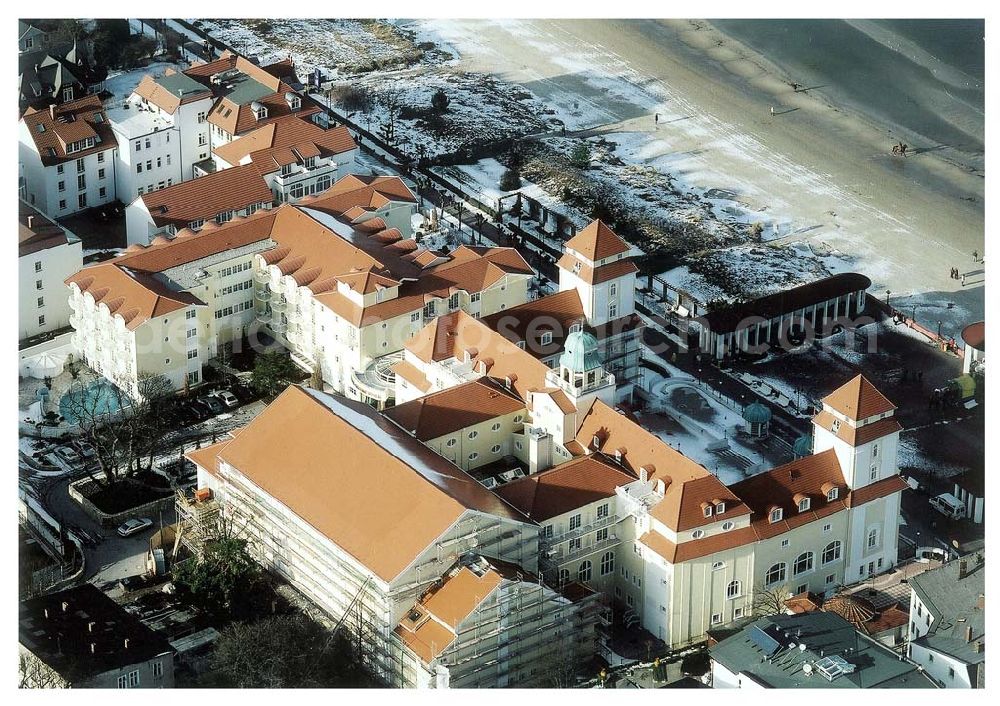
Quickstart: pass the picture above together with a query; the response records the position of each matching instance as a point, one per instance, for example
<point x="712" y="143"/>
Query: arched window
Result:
<point x="473" y="434"/>
<point x="563" y="575"/>
<point x="803" y="563"/>
<point x="776" y="574"/>
<point x="607" y="563"/>
<point x="584" y="572"/>
<point x="873" y="537"/>
<point x="734" y="589"/>
<point x="831" y="553"/>
<point x="495" y="449"/>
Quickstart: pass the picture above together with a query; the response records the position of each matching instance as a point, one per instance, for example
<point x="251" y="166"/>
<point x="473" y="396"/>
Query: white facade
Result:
<point x="43" y="297"/>
<point x="315" y="175"/>
<point x="68" y="187"/>
<point x="148" y="154"/>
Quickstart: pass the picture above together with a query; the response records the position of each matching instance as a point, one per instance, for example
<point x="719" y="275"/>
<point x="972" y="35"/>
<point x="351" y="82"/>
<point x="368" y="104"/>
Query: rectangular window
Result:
<point x="100" y="158"/>
<point x="80" y="165"/>
<point x="830" y="579"/>
<point x="574" y="544"/>
<point x="574" y="522"/>
<point x="192" y="332"/>
<point x="100" y="173"/>
<point x="41" y="320"/>
<point x="613" y="310"/>
<point x="62" y="204"/>
<point x="138" y="167"/>
<point x="602" y="511"/>
<point x="157" y="669"/>
<point x="602" y="535"/>
<point x="716" y="618"/>
<point x="138" y="145"/>
<point x="38" y="284"/>
<point x="62" y="186"/>
<point x="193" y="353"/>
<point x="202" y="139"/>
<point x="59" y="169"/>
<point x="103" y="192"/>
<point x="547" y="532"/>
<point x="82" y="200"/>
<point x="38" y="265"/>
<point x="149" y="165"/>
<point x="190" y="314"/>
<point x="41" y="302"/>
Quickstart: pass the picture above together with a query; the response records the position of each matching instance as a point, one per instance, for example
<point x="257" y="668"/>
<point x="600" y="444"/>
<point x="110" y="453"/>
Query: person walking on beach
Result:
<point x="656" y="119"/>
<point x="975" y="256"/>
<point x="772" y="111"/>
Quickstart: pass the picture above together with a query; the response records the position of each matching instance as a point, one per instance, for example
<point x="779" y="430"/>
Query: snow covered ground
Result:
<point x="122" y="83"/>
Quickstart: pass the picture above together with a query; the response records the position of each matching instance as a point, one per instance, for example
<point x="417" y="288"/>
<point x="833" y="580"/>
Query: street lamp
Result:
<point x="887" y="293"/>
<point x="939" y="329"/>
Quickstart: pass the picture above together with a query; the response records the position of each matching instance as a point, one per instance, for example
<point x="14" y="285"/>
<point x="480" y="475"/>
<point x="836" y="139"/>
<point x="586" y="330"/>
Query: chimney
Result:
<point x="968" y="633"/>
<point x="52" y="111"/>
<point x="46" y="611"/>
<point x="978" y="647"/>
<point x="93" y="648"/>
<point x="642" y="474"/>
<point x="31" y="220"/>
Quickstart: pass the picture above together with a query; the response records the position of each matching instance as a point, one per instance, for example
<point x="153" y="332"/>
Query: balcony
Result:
<point x="580" y="531"/>
<point x="263" y="313"/>
<point x="563" y="555"/>
<point x="377" y="381"/>
<point x="279" y="305"/>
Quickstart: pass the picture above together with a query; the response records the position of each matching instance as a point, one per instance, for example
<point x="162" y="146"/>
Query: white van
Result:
<point x="949" y="506"/>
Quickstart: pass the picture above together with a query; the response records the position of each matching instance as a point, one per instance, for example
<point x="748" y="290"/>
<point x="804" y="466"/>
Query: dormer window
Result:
<point x="260" y="111"/>
<point x="309" y="162"/>
<point x="775" y="515"/>
<point x="720" y="508"/>
<point x="707" y="510"/>
<point x="803" y="504"/>
<point x="286" y="169"/>
<point x="618" y="455"/>
<point x="835" y="427"/>
<point x="546" y="338"/>
<point x="293" y="100"/>
<point x="832" y="494"/>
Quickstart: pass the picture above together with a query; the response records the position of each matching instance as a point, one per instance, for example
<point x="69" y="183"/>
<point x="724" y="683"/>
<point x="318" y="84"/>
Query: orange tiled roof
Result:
<point x="566" y="487"/>
<point x="455" y="334"/>
<point x="305" y="451"/>
<point x="597" y="241"/>
<point x="189" y="246"/>
<point x="288" y="133"/>
<point x="206" y="197"/>
<point x="162" y="98"/>
<point x="448" y="411"/>
<point x="596" y="275"/>
<point x="136" y="297"/>
<point x="856" y="436"/>
<point x="53" y="129"/>
<point x="412" y="375"/>
<point x="858" y="399"/>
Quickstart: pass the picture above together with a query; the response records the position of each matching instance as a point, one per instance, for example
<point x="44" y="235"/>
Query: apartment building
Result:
<point x="383" y="566"/>
<point x="79" y="638"/>
<point x="346" y="286"/>
<point x="66" y="153"/>
<point x="218" y="197"/>
<point x="162" y="132"/>
<point x="297" y="158"/>
<point x="170" y="307"/>
<point x="947" y="631"/>
<point x="47" y="255"/>
<point x="248" y="96"/>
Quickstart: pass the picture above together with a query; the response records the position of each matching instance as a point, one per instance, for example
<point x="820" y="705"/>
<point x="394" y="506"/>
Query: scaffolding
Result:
<point x="197" y="521"/>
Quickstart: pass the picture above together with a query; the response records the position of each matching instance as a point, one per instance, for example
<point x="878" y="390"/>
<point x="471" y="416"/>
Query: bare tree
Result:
<point x="33" y="673"/>
<point x="126" y="433"/>
<point x="390" y="99"/>
<point x="768" y="601"/>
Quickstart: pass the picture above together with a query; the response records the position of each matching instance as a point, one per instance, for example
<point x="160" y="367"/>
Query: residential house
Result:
<point x="66" y="154"/>
<point x="79" y="638"/>
<point x="47" y="255"/>
<point x="30" y="37"/>
<point x="218" y="197"/>
<point x="809" y="651"/>
<point x="162" y="132"/>
<point x="948" y="622"/>
<point x="55" y="74"/>
<point x="296" y="157"/>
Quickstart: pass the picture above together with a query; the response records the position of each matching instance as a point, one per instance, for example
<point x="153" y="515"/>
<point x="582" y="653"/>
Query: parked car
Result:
<point x="136" y="524"/>
<point x="213" y="404"/>
<point x="68" y="454"/>
<point x="199" y="410"/>
<point x="244" y="393"/>
<point x="948" y="505"/>
<point x="226" y="397"/>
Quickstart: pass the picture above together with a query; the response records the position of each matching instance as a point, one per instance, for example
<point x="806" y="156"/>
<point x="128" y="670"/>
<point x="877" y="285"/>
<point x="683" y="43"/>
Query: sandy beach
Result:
<point x="820" y="166"/>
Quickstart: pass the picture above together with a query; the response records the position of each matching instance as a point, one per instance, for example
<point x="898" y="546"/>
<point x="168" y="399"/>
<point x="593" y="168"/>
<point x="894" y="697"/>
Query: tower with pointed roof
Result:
<point x="597" y="263"/>
<point x="581" y="371"/>
<point x="858" y="423"/>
